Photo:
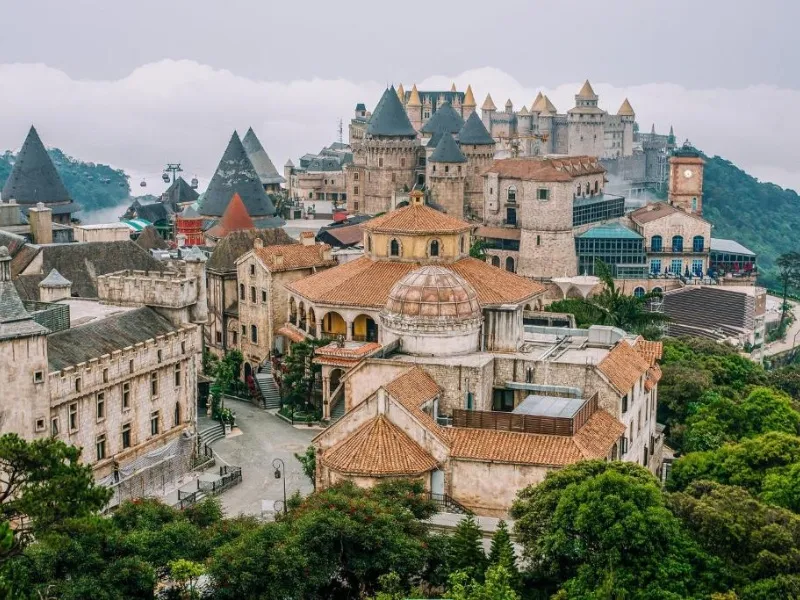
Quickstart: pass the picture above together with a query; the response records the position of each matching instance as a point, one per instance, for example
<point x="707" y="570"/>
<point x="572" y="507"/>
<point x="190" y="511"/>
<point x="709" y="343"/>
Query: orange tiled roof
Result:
<point x="651" y="351"/>
<point x="416" y="218"/>
<point x="294" y="256"/>
<point x="594" y="440"/>
<point x="366" y="283"/>
<point x="623" y="366"/>
<point x="235" y="218"/>
<point x="547" y="169"/>
<point x="333" y="361"/>
<point x="658" y="210"/>
<point x="291" y="333"/>
<point x="412" y="389"/>
<point x="379" y="448"/>
<point x="357" y="352"/>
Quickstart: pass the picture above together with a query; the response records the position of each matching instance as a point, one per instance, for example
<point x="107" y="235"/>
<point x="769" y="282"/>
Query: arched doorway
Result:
<point x="495" y="261"/>
<point x="301" y="323"/>
<point x="365" y="329"/>
<point x="509" y="264"/>
<point x="336" y="379"/>
<point x="333" y="325"/>
<point x="248" y="372"/>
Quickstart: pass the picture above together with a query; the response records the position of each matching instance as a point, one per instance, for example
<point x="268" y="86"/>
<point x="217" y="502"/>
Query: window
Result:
<point x="509" y="264"/>
<point x="511" y="216"/>
<point x="631" y="431"/>
<point x="176" y="416"/>
<point x="100" y="446"/>
<point x="697" y="267"/>
<point x="241" y="291"/>
<point x="263" y="296"/>
<point x="355" y="177"/>
<point x="54" y="426"/>
<point x="625" y="403"/>
<point x="126" y="396"/>
<point x="126" y="436"/>
<point x="656" y="243"/>
<point x="234" y="338"/>
<point x="697" y="243"/>
<point x="596" y="186"/>
<point x="503" y="400"/>
<point x="543" y="194"/>
<point x="218" y="337"/>
<point x="578" y="190"/>
<point x="677" y="243"/>
<point x="183" y="347"/>
<point x="694" y="204"/>
<point x="402" y="162"/>
<point x="355" y="190"/>
<point x="394" y="248"/>
<point x="244" y="330"/>
<point x="130" y="365"/>
<point x="252" y="294"/>
<point x="159" y="355"/>
<point x="434" y="248"/>
<point x="512" y="193"/>
<point x="39" y="424"/>
<point x="655" y="266"/>
<point x="105" y="375"/>
<point x="254" y="334"/>
<point x="639" y="421"/>
<point x="154" y="423"/>
<point x="369" y="243"/>
<point x="177" y="375"/>
<point x="154" y="384"/>
<point x="101" y="406"/>
<point x="394" y="178"/>
<point x="77" y="384"/>
<point x="38" y="376"/>
<point x="73" y="416"/>
<point x="252" y="269"/>
<point x="676" y="266"/>
<point x="495" y="261"/>
<point x="461" y="244"/>
<point x="538" y="240"/>
<point x="446" y="168"/>
<point x="380" y="162"/>
<point x="638" y="292"/>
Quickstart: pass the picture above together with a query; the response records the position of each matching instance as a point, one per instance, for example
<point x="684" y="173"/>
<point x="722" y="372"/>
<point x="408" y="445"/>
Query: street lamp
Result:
<point x="280" y="473"/>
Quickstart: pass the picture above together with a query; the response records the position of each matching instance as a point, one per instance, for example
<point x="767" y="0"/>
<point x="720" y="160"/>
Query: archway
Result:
<point x="333" y="325"/>
<point x="638" y="291"/>
<point x="301" y="323"/>
<point x="312" y="321"/>
<point x="365" y="329"/>
<point x="248" y="372"/>
<point x="336" y="379"/>
<point x="495" y="261"/>
<point x="509" y="264"/>
<point x="292" y="310"/>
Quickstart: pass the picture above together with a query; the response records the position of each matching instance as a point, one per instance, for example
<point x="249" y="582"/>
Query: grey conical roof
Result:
<point x="180" y="192"/>
<point x="447" y="151"/>
<point x="189" y="213"/>
<point x="260" y="159"/>
<point x="236" y="174"/>
<point x="474" y="132"/>
<point x="389" y="118"/>
<point x="34" y="177"/>
<point x="55" y="280"/>
<point x="444" y="119"/>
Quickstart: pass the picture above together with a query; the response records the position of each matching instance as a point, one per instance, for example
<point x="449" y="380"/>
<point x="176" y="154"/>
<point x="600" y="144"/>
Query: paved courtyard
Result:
<point x="263" y="438"/>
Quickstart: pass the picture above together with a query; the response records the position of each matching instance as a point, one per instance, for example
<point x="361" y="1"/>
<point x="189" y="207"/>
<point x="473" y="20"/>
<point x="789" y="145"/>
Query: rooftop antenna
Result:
<point x="341" y="130"/>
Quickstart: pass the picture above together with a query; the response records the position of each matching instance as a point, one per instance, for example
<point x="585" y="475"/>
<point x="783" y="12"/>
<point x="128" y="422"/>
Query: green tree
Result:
<point x="496" y="585"/>
<point x="301" y="373"/>
<point x="466" y="548"/>
<point x="789" y="274"/>
<point x="502" y="552"/>
<point x="478" y="249"/>
<point x="308" y="461"/>
<point x="185" y="574"/>
<point x="43" y="484"/>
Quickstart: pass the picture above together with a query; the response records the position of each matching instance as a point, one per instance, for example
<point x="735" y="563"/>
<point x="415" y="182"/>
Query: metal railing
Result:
<point x="229" y="477"/>
<point x="448" y="504"/>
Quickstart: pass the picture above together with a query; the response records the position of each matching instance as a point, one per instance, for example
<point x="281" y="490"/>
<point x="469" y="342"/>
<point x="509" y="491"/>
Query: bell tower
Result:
<point x="686" y="179"/>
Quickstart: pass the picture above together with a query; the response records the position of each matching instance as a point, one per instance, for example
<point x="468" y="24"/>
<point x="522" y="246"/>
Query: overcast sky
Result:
<point x="138" y="84"/>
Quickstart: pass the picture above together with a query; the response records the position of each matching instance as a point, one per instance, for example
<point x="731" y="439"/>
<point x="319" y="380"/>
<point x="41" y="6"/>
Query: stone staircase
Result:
<point x="211" y="434"/>
<point x="337" y="412"/>
<point x="270" y="394"/>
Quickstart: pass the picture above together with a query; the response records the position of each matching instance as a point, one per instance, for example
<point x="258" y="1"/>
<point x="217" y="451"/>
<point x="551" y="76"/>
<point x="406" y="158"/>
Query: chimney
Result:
<point x="40" y="219"/>
<point x="258" y="243"/>
<point x="54" y="287"/>
<point x="5" y="264"/>
<point x="327" y="254"/>
<point x="307" y="238"/>
<point x="9" y="213"/>
<point x="277" y="260"/>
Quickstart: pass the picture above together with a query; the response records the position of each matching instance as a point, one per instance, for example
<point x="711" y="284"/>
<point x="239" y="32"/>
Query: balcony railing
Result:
<point x="671" y="250"/>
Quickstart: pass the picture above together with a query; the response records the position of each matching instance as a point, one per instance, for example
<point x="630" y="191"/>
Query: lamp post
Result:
<point x="280" y="473"/>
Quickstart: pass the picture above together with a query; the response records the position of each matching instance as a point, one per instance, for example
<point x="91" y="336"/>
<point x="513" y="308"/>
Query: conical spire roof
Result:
<point x="469" y="98"/>
<point x="34" y="177"/>
<point x="626" y="110"/>
<point x="180" y="192"/>
<point x="653" y="129"/>
<point x="453" y="87"/>
<point x="390" y="118"/>
<point x="401" y="93"/>
<point x="413" y="97"/>
<point x="474" y="132"/>
<point x="447" y="151"/>
<point x="236" y="174"/>
<point x="538" y="103"/>
<point x="266" y="170"/>
<point x="587" y="91"/>
<point x="236" y="217"/>
<point x="488" y="104"/>
<point x="549" y="106"/>
<point x="671" y="132"/>
<point x="55" y="279"/>
<point x="524" y="110"/>
<point x="444" y="119"/>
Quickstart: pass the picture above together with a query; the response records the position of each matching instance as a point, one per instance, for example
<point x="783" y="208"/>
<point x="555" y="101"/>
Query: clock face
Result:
<point x="688" y="173"/>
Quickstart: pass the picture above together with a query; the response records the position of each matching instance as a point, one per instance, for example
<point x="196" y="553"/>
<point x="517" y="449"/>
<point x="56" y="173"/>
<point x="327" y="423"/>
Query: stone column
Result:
<point x="326" y="397"/>
<point x="349" y="333"/>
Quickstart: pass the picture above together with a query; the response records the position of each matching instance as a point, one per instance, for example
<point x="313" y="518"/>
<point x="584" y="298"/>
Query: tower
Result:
<point x="585" y="124"/>
<point x="469" y="105"/>
<point x="446" y="175"/>
<point x="487" y="113"/>
<point x="414" y="108"/>
<point x="627" y="117"/>
<point x="686" y="179"/>
<point x="478" y="147"/>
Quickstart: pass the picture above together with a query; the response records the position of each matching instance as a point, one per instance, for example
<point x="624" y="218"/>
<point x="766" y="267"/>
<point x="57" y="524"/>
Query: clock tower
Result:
<point x="686" y="179"/>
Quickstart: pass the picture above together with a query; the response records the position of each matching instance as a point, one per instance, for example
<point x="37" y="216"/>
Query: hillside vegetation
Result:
<point x="92" y="186"/>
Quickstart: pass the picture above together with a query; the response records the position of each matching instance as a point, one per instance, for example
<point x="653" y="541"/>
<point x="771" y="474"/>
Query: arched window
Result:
<point x="512" y="193"/>
<point x="639" y="292"/>
<point x="394" y="248"/>
<point x="434" y="248"/>
<point x="596" y="186"/>
<point x="655" y="243"/>
<point x="509" y="264"/>
<point x="254" y="334"/>
<point x="461" y="244"/>
<point x="241" y="291"/>
<point x="658" y="290"/>
<point x="369" y="243"/>
<point x="495" y="261"/>
<point x="177" y="414"/>
<point x="578" y="190"/>
<point x="587" y="188"/>
<point x="697" y="243"/>
<point x="677" y="243"/>
<point x="694" y="204"/>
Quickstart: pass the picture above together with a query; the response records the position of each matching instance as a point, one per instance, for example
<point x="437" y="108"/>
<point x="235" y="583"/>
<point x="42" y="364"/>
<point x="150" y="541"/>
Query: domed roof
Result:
<point x="433" y="292"/>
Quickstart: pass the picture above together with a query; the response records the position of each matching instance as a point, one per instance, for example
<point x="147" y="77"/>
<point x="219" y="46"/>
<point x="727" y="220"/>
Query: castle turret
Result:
<point x="478" y="147"/>
<point x="487" y="112"/>
<point x="54" y="287"/>
<point x="586" y="124"/>
<point x="509" y="106"/>
<point x="469" y="105"/>
<point x="547" y="114"/>
<point x="414" y="108"/>
<point x="401" y="94"/>
<point x="446" y="175"/>
<point x="627" y="117"/>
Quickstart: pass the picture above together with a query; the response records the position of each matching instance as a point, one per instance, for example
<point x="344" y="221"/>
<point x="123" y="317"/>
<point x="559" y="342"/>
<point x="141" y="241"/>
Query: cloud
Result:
<point x="183" y="111"/>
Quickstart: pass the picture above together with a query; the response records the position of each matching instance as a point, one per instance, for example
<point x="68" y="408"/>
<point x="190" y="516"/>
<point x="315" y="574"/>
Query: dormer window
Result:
<point x="394" y="248"/>
<point x="434" y="248"/>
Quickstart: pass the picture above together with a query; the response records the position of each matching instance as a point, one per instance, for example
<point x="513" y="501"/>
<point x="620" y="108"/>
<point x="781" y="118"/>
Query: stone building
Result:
<point x="120" y="381"/>
<point x="34" y="179"/>
<point x="37" y="225"/>
<point x="319" y="176"/>
<point x="262" y="274"/>
<point x="686" y="179"/>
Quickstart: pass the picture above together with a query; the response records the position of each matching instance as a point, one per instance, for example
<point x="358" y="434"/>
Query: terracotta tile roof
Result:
<point x="651" y="351"/>
<point x="357" y="352"/>
<point x="378" y="448"/>
<point x="346" y="235"/>
<point x="594" y="440"/>
<point x="333" y="361"/>
<point x="498" y="233"/>
<point x="412" y="389"/>
<point x="291" y="333"/>
<point x="547" y="169"/>
<point x="294" y="256"/>
<point x="366" y="283"/>
<point x="658" y="210"/>
<point x="416" y="218"/>
<point x="623" y="366"/>
<point x="235" y="218"/>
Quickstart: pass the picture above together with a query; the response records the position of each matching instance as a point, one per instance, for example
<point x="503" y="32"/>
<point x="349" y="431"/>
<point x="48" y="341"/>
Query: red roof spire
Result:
<point x="236" y="217"/>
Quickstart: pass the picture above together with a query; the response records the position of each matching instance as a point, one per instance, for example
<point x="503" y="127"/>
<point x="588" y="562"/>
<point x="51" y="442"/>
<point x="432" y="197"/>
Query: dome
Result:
<point x="434" y="293"/>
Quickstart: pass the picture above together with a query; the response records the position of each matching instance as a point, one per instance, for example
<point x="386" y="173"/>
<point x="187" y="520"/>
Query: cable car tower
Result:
<point x="173" y="168"/>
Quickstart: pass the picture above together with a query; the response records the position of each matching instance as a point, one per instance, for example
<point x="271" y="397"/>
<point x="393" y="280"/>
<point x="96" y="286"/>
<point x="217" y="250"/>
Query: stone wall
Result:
<point x="24" y="402"/>
<point x="489" y="488"/>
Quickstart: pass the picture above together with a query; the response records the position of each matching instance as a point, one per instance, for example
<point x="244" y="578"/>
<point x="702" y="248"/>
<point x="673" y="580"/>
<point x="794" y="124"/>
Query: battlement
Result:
<point x="149" y="288"/>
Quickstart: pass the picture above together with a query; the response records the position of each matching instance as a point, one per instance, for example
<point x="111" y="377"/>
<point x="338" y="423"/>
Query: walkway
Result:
<point x="262" y="438"/>
<point x="792" y="338"/>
